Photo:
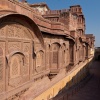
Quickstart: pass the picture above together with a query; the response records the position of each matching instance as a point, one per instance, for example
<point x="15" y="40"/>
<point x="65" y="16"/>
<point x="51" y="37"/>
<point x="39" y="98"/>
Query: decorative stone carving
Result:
<point x="17" y="95"/>
<point x="47" y="55"/>
<point x="1" y="87"/>
<point x="10" y="31"/>
<point x="2" y="45"/>
<point x="55" y="57"/>
<point x="26" y="36"/>
<point x="14" y="82"/>
<point x="25" y="68"/>
<point x="71" y="52"/>
<point x="26" y="47"/>
<point x="1" y="52"/>
<point x="2" y="32"/>
<point x="14" y="46"/>
<point x="63" y="54"/>
<point x="15" y="65"/>
<point x="39" y="61"/>
<point x="19" y="40"/>
<point x="15" y="70"/>
<point x="18" y="31"/>
<point x="2" y="66"/>
<point x="55" y="50"/>
<point x="26" y="50"/>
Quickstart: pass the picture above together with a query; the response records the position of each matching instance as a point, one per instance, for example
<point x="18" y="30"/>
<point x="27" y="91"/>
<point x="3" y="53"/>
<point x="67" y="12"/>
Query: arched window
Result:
<point x="54" y="55"/>
<point x="47" y="56"/>
<point x="40" y="61"/>
<point x="16" y="68"/>
<point x="16" y="63"/>
<point x="71" y="51"/>
<point x="63" y="54"/>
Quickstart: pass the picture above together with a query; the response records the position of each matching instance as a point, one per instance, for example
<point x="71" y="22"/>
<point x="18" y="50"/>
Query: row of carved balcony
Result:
<point x="56" y="11"/>
<point x="44" y="24"/>
<point x="80" y="26"/>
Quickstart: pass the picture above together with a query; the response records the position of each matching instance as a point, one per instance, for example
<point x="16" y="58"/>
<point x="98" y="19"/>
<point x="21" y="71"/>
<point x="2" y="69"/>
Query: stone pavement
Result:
<point x="91" y="91"/>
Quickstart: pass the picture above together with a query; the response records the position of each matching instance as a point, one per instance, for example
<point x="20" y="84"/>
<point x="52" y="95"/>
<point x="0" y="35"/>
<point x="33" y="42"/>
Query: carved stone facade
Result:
<point x="33" y="48"/>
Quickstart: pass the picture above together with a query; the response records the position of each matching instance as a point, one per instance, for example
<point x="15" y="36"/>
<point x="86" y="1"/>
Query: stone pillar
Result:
<point x="47" y="56"/>
<point x="60" y="58"/>
<point x="74" y="54"/>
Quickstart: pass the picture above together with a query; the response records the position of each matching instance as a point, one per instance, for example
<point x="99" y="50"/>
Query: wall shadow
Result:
<point x="75" y="84"/>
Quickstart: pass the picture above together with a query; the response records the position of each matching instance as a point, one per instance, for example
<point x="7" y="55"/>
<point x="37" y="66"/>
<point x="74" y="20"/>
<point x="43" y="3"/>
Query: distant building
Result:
<point x="40" y="7"/>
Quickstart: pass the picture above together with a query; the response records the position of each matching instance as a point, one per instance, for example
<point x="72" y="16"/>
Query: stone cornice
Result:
<point x="43" y="24"/>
